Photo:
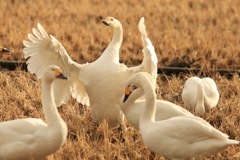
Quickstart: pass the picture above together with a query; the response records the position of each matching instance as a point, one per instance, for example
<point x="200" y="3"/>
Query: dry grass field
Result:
<point x="186" y="33"/>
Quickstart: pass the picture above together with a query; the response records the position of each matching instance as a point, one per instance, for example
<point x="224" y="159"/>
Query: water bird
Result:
<point x="98" y="84"/>
<point x="32" y="138"/>
<point x="176" y="138"/>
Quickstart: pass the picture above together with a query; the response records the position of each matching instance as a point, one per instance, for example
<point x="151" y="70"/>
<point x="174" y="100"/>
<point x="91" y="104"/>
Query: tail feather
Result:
<point x="232" y="141"/>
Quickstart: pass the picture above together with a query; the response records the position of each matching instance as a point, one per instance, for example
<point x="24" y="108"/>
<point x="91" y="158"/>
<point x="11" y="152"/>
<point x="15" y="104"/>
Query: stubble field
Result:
<point x="185" y="33"/>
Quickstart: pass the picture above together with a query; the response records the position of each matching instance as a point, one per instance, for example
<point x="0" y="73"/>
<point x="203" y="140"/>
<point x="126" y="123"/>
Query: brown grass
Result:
<point x="185" y="33"/>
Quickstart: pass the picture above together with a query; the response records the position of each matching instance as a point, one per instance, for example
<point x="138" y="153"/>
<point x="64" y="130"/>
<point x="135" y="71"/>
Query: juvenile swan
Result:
<point x="200" y="95"/>
<point x="177" y="138"/>
<point x="31" y="138"/>
<point x="98" y="84"/>
<point x="133" y="106"/>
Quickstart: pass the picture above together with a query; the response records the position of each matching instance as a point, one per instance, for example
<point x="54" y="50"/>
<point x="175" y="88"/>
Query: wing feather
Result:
<point x="200" y="129"/>
<point x="149" y="63"/>
<point x="44" y="50"/>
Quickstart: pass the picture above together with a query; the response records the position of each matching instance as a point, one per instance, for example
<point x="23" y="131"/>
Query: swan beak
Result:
<point x="4" y="50"/>
<point x="106" y="22"/>
<point x="127" y="93"/>
<point x="125" y="98"/>
<point x="59" y="74"/>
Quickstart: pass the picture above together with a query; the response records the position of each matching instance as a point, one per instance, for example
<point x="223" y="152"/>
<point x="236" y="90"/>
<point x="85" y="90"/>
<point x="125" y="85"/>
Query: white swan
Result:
<point x="199" y="95"/>
<point x="182" y="137"/>
<point x="31" y="138"/>
<point x="133" y="107"/>
<point x="101" y="80"/>
<point x="4" y="50"/>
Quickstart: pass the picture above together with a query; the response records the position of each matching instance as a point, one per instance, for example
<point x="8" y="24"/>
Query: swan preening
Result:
<point x="132" y="106"/>
<point x="181" y="137"/>
<point x="4" y="50"/>
<point x="31" y="138"/>
<point x="200" y="95"/>
<point x="98" y="84"/>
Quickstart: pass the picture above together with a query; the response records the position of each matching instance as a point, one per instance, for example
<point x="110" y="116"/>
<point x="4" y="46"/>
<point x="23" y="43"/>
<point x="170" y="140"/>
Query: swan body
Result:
<point x="177" y="138"/>
<point x="200" y="95"/>
<point x="134" y="106"/>
<point x="98" y="84"/>
<point x="31" y="138"/>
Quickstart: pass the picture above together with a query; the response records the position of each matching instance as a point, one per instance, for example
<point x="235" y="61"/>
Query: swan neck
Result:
<point x="117" y="37"/>
<point x="49" y="107"/>
<point x="112" y="51"/>
<point x="200" y="99"/>
<point x="150" y="102"/>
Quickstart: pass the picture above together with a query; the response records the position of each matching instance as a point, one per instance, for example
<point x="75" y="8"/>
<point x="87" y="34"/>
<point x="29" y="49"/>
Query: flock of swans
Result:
<point x="166" y="128"/>
<point x="109" y="74"/>
<point x="181" y="137"/>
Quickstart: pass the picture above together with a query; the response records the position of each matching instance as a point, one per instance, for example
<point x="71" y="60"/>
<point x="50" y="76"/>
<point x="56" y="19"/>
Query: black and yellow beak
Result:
<point x="107" y="21"/>
<point x="127" y="93"/>
<point x="59" y="74"/>
<point x="4" y="50"/>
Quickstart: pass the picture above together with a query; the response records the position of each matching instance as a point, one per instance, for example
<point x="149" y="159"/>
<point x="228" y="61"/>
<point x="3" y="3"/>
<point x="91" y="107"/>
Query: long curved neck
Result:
<point x="150" y="103"/>
<point x="49" y="107"/>
<point x="112" y="51"/>
<point x="200" y="99"/>
<point x="132" y="99"/>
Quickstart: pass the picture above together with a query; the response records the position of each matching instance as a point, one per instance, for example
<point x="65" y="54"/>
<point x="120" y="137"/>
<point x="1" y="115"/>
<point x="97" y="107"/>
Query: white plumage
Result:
<point x="177" y="138"/>
<point x="200" y="95"/>
<point x="98" y="84"/>
<point x="134" y="106"/>
<point x="31" y="138"/>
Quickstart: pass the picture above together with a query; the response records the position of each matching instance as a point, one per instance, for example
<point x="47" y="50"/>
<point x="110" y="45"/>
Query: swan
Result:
<point x="177" y="138"/>
<point x="133" y="107"/>
<point x="98" y="84"/>
<point x="31" y="138"/>
<point x="200" y="95"/>
<point x="4" y="50"/>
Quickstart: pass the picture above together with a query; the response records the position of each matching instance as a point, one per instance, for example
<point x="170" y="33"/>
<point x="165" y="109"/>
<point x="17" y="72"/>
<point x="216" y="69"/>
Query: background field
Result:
<point x="185" y="33"/>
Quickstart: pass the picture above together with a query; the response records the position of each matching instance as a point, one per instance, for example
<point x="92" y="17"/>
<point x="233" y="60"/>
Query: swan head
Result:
<point x="111" y="22"/>
<point x="135" y="83"/>
<point x="128" y="91"/>
<point x="53" y="72"/>
<point x="4" y="51"/>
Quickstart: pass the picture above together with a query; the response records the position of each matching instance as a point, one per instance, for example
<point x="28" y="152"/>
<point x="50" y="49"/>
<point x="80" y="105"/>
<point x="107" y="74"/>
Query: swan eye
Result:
<point x="134" y="87"/>
<point x="111" y="19"/>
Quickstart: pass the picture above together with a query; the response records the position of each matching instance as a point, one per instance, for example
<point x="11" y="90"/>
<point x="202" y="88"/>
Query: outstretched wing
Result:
<point x="44" y="50"/>
<point x="149" y="63"/>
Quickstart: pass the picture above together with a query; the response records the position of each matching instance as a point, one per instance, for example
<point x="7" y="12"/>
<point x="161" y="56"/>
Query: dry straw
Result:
<point x="190" y="33"/>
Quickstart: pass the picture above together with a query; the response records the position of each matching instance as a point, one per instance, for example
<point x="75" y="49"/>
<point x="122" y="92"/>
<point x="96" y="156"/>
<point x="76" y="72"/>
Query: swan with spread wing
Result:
<point x="98" y="84"/>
